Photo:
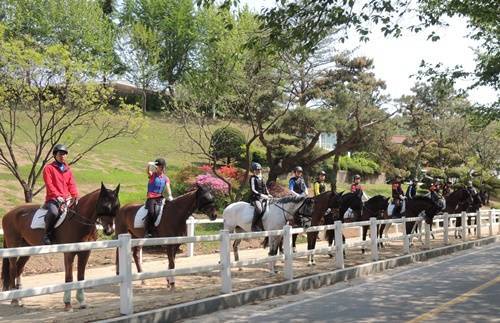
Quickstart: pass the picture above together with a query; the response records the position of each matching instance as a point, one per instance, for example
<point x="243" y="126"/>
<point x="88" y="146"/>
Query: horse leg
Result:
<point x="236" y="245"/>
<point x="432" y="234"/>
<point x="171" y="249"/>
<point x="294" y="247"/>
<point x="331" y="235"/>
<point x="386" y="230"/>
<point x="273" y="250"/>
<point x="137" y="261"/>
<point x="311" y="244"/>
<point x="83" y="258"/>
<point x="380" y="231"/>
<point x="365" y="230"/>
<point x="12" y="279"/>
<point x="69" y="258"/>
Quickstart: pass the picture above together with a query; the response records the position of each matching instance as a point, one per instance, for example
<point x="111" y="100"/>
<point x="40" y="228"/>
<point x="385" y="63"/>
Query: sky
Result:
<point x="396" y="59"/>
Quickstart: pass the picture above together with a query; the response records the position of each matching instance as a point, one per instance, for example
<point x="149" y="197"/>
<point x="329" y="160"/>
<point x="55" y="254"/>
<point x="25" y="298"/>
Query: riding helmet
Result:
<point x="357" y="176"/>
<point x="256" y="166"/>
<point x="298" y="169"/>
<point x="59" y="147"/>
<point x="322" y="173"/>
<point x="161" y="162"/>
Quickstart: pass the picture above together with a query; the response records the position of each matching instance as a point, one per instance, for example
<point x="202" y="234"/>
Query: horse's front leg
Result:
<point x="12" y="279"/>
<point x="365" y="230"/>
<point x="171" y="250"/>
<point x="273" y="251"/>
<point x="83" y="258"/>
<point x="294" y="246"/>
<point x="380" y="231"/>
<point x="311" y="244"/>
<point x="69" y="258"/>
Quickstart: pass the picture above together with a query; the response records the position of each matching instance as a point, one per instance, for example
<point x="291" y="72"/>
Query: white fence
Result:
<point x="125" y="244"/>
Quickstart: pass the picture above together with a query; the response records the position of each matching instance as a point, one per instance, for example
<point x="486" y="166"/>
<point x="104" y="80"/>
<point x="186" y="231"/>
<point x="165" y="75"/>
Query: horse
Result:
<point x="172" y="223"/>
<point x="349" y="201"/>
<point x="238" y="218"/>
<point x="325" y="205"/>
<point x="457" y="202"/>
<point x="374" y="207"/>
<point x="101" y="205"/>
<point x="473" y="207"/>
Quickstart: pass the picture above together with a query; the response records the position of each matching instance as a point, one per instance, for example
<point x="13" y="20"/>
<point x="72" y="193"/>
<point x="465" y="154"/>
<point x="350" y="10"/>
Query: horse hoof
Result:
<point x="240" y="269"/>
<point x="83" y="306"/>
<point x="313" y="263"/>
<point x="16" y="302"/>
<point x="68" y="308"/>
<point x="330" y="255"/>
<point x="172" y="286"/>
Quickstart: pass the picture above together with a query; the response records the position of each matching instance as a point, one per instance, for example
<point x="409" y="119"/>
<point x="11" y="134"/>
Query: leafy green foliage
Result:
<point x="359" y="165"/>
<point x="227" y="143"/>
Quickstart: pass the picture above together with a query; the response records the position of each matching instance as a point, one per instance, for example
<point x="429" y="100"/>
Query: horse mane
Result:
<point x="422" y="198"/>
<point x="290" y="199"/>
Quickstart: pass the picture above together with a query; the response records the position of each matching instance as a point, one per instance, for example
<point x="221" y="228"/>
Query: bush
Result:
<point x="227" y="143"/>
<point x="359" y="165"/>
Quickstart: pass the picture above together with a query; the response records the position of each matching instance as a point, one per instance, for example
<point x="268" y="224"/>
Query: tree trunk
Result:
<point x="144" y="101"/>
<point x="28" y="195"/>
<point x="335" y="171"/>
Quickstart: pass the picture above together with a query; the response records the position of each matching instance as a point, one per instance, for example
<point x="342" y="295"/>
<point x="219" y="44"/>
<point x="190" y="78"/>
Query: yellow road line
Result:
<point x="460" y="299"/>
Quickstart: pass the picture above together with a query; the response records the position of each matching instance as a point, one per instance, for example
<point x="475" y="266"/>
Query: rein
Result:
<point x="288" y="212"/>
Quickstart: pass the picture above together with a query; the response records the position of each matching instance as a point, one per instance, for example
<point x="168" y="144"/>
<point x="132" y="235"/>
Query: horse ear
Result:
<point x="117" y="190"/>
<point x="387" y="199"/>
<point x="103" y="188"/>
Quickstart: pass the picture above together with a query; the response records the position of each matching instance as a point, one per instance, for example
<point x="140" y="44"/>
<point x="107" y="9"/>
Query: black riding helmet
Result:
<point x="161" y="162"/>
<point x="59" y="147"/>
<point x="298" y="169"/>
<point x="322" y="173"/>
<point x="256" y="166"/>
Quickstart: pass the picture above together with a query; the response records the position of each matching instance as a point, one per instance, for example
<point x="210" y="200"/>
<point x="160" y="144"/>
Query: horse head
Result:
<point x="107" y="207"/>
<point x="303" y="216"/>
<point x="205" y="202"/>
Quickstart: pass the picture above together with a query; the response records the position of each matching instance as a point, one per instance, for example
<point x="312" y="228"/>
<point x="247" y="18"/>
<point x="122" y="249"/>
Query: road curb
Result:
<point x="220" y="302"/>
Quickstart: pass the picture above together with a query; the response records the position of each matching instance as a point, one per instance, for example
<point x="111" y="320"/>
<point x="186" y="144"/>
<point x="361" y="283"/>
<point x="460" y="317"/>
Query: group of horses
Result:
<point x="102" y="206"/>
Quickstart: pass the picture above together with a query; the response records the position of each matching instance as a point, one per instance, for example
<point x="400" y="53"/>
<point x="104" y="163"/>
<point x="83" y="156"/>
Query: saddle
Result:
<point x="38" y="221"/>
<point x="142" y="212"/>
<point x="390" y="208"/>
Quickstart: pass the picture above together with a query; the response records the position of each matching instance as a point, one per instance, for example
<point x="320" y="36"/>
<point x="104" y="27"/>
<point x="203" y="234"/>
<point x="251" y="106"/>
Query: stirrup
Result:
<point x="256" y="228"/>
<point x="46" y="239"/>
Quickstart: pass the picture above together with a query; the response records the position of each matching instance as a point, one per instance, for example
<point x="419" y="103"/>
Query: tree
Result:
<point x="227" y="143"/>
<point x="172" y="24"/>
<point x="47" y="97"/>
<point x="79" y="25"/>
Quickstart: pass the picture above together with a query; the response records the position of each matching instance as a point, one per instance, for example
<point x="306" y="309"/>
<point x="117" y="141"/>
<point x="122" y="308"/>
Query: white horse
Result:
<point x="238" y="218"/>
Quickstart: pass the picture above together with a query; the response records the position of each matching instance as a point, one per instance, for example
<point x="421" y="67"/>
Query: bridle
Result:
<point x="298" y="212"/>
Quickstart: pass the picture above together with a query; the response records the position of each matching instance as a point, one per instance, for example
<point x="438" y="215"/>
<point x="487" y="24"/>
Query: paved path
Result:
<point x="462" y="287"/>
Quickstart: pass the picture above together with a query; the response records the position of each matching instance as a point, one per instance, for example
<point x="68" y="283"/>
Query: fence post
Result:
<point x="287" y="250"/>
<point x="490" y="216"/>
<point x="427" y="242"/>
<point x="373" y="238"/>
<point x="190" y="233"/>
<point x="339" y="247"/>
<point x="225" y="262"/>
<point x="464" y="226"/>
<point x="478" y="224"/>
<point x="406" y="242"/>
<point x="125" y="267"/>
<point x="445" y="228"/>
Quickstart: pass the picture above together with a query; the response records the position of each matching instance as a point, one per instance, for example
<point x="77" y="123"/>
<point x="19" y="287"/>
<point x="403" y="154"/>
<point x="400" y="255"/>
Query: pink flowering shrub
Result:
<point x="217" y="185"/>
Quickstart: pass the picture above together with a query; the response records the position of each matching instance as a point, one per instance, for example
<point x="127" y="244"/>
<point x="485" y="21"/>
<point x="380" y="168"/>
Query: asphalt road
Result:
<point x="464" y="287"/>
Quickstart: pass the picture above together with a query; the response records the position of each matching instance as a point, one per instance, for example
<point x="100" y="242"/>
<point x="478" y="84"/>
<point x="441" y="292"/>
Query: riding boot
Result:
<point x="148" y="227"/>
<point x="255" y="222"/>
<point x="49" y="228"/>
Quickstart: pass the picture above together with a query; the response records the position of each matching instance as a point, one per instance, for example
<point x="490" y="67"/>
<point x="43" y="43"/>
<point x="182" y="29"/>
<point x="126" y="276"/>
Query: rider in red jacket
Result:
<point x="60" y="187"/>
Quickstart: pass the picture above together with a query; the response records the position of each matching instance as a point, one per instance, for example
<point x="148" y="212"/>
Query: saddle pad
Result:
<point x="38" y="221"/>
<point x="349" y="214"/>
<point x="140" y="216"/>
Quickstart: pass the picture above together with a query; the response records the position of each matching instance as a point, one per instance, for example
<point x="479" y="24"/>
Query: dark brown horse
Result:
<point x="172" y="224"/>
<point x="79" y="226"/>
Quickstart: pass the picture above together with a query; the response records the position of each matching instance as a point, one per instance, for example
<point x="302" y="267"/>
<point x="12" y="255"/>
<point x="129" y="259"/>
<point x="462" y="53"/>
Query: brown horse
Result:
<point x="79" y="226"/>
<point x="172" y="223"/>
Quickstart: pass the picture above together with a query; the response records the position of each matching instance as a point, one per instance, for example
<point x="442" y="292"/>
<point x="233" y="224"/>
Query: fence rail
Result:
<point x="125" y="245"/>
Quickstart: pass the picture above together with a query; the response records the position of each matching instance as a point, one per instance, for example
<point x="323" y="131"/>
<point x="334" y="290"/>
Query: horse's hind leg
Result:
<point x="83" y="258"/>
<point x="21" y="262"/>
<point x="380" y="232"/>
<point x="12" y="279"/>
<point x="69" y="258"/>
<point x="365" y="230"/>
<point x="171" y="249"/>
<point x="236" y="245"/>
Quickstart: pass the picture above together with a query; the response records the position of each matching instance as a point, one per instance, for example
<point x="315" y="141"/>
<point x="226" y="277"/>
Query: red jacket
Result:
<point x="59" y="183"/>
<point x="356" y="187"/>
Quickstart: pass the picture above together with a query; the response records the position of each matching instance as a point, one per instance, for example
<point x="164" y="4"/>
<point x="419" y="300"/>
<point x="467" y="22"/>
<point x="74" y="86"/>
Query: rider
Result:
<point x="296" y="184"/>
<point x="157" y="184"/>
<point x="447" y="188"/>
<point x="259" y="193"/>
<point x="60" y="186"/>
<point x="397" y="196"/>
<point x="356" y="186"/>
<point x="319" y="184"/>
<point x="411" y="191"/>
<point x="434" y="190"/>
<point x="471" y="188"/>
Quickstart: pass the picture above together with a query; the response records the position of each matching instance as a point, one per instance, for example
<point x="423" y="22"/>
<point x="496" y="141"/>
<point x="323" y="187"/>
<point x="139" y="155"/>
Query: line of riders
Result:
<point x="62" y="193"/>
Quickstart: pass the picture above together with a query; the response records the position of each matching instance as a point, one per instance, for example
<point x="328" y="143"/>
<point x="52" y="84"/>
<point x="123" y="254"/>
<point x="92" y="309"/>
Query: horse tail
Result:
<point x="5" y="270"/>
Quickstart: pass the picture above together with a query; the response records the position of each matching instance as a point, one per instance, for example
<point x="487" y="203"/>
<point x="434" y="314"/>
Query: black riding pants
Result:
<point x="52" y="215"/>
<point x="153" y="206"/>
